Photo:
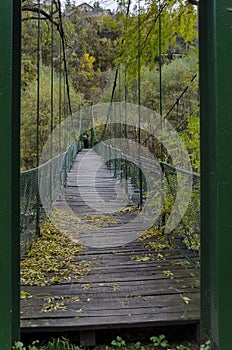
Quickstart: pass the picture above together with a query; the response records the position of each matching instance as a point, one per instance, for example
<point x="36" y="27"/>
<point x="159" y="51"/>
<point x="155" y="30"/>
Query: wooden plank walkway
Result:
<point x="128" y="286"/>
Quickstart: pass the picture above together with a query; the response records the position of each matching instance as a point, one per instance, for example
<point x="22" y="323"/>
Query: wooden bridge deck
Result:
<point x="128" y="285"/>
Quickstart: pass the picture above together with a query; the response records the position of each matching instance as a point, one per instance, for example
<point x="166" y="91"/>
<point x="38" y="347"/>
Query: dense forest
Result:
<point x="76" y="55"/>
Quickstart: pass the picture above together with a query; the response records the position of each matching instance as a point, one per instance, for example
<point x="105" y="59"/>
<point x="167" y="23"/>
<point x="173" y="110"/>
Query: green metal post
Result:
<point x="216" y="181"/>
<point x="10" y="38"/>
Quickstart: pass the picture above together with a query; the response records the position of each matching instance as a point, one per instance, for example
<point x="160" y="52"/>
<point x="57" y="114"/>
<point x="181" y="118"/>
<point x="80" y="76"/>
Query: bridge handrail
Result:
<point x="189" y="228"/>
<point x="32" y="213"/>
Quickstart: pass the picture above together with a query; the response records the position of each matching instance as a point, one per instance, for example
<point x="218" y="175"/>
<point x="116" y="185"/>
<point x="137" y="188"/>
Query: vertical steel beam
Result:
<point x="10" y="38"/>
<point x="216" y="170"/>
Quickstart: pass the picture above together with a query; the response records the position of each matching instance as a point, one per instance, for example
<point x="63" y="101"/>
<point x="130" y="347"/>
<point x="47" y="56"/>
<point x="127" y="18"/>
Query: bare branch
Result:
<point x="43" y="13"/>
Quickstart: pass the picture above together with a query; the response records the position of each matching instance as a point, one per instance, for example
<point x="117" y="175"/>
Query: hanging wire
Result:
<point x="119" y="99"/>
<point x="38" y="86"/>
<point x="181" y="95"/>
<point x="60" y="92"/>
<point x="162" y="7"/>
<point x="125" y="126"/>
<point x="61" y="31"/>
<point x="114" y="85"/>
<point x="125" y="109"/>
<point x="139" y="105"/>
<point x="173" y="106"/>
<point x="65" y="113"/>
<point x="177" y="112"/>
<point x="80" y="125"/>
<point x="126" y="97"/>
<point x="160" y="64"/>
<point x="161" y="108"/>
<point x="110" y="106"/>
<point x="38" y="119"/>
<point x="52" y="98"/>
<point x="92" y="127"/>
<point x="52" y="79"/>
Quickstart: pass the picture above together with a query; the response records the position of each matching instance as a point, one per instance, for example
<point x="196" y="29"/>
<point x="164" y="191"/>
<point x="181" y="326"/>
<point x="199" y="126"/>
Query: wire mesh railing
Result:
<point x="47" y="176"/>
<point x="186" y="235"/>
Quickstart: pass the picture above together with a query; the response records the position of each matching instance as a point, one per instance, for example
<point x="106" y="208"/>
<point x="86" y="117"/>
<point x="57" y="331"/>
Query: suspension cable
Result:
<point x="162" y="7"/>
<point x="60" y="91"/>
<point x="160" y="77"/>
<point x="114" y="85"/>
<point x="38" y="85"/>
<point x="181" y="95"/>
<point x="139" y="105"/>
<point x="38" y="119"/>
<point x="52" y="78"/>
<point x="61" y="30"/>
<point x="173" y="106"/>
<point x="160" y="63"/>
<point x="64" y="56"/>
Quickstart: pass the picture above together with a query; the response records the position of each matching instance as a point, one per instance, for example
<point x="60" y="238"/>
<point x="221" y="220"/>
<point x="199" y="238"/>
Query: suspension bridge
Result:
<point x="135" y="274"/>
<point x="215" y="90"/>
<point x="109" y="235"/>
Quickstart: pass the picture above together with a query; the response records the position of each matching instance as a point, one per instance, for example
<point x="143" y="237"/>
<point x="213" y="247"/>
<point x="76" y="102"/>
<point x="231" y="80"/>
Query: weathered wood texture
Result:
<point x="122" y="290"/>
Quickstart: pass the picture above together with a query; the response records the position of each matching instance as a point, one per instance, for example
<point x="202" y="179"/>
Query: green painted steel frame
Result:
<point x="216" y="145"/>
<point x="10" y="38"/>
<point x="216" y="169"/>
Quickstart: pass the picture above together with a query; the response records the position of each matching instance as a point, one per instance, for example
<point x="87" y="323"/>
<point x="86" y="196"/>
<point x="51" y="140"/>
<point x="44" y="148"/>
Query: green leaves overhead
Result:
<point x="178" y="31"/>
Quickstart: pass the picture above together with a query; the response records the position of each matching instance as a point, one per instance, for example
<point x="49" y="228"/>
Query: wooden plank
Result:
<point x="75" y="324"/>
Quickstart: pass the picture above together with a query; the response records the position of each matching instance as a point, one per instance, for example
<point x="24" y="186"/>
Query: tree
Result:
<point x="141" y="34"/>
<point x="29" y="114"/>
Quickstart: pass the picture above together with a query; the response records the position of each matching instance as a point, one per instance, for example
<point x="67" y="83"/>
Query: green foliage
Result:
<point x="159" y="341"/>
<point x="19" y="346"/>
<point x="53" y="344"/>
<point x="61" y="344"/>
<point x="97" y="37"/>
<point x="179" y="95"/>
<point x="188" y="227"/>
<point x="182" y="347"/>
<point x="206" y="346"/>
<point x="180" y="23"/>
<point x="191" y="138"/>
<point x="176" y="75"/>
<point x="28" y="73"/>
<point x="137" y="346"/>
<point x="118" y="343"/>
<point x="29" y="113"/>
<point x="90" y="45"/>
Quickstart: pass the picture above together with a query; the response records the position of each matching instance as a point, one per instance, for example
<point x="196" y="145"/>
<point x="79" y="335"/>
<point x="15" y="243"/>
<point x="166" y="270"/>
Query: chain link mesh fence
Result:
<point x="186" y="235"/>
<point x="46" y="178"/>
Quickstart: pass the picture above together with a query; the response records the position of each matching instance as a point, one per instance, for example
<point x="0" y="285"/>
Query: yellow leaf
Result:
<point x="186" y="299"/>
